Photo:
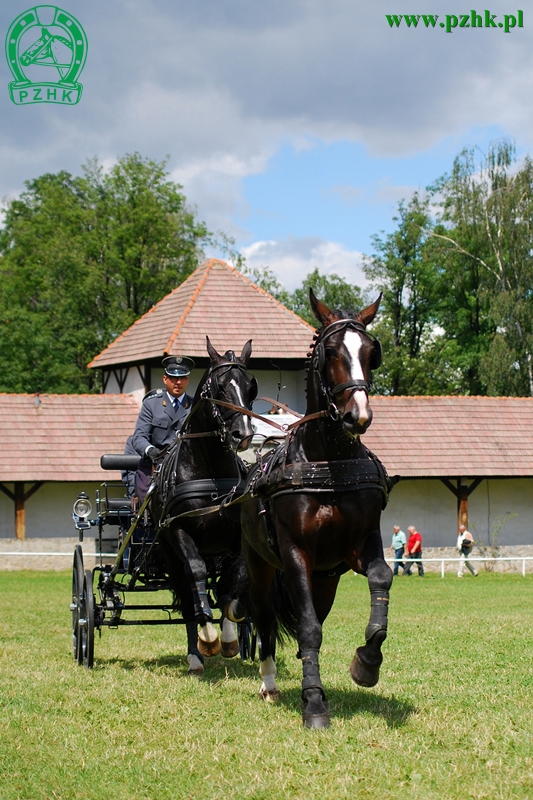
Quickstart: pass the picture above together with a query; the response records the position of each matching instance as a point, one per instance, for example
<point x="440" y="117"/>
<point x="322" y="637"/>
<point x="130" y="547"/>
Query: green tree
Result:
<point x="418" y="359"/>
<point x="485" y="245"/>
<point x="80" y="259"/>
<point x="333" y="290"/>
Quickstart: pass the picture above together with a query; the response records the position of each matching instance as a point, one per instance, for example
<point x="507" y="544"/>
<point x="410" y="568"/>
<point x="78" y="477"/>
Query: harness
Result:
<point x="213" y="489"/>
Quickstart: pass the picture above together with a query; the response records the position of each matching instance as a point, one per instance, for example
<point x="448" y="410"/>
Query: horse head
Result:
<point x="343" y="359"/>
<point x="228" y="380"/>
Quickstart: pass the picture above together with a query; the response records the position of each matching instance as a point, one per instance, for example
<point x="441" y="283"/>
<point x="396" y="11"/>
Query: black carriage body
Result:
<point x="104" y="596"/>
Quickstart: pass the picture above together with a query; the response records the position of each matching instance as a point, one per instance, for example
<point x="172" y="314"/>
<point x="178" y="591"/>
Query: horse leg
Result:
<point x="180" y="587"/>
<point x="365" y="665"/>
<point x="195" y="569"/>
<point x="309" y="634"/>
<point x="261" y="575"/>
<point x="230" y="644"/>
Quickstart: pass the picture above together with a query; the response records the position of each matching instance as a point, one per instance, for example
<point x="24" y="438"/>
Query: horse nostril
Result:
<point x="348" y="420"/>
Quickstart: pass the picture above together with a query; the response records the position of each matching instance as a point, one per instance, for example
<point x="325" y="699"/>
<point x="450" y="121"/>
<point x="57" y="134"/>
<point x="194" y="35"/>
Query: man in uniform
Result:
<point x="162" y="414"/>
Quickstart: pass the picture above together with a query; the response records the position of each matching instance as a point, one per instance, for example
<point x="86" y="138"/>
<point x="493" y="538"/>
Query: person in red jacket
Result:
<point x="414" y="551"/>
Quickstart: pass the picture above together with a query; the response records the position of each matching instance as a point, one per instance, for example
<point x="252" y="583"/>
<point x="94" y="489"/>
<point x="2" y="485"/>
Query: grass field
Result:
<point x="452" y="716"/>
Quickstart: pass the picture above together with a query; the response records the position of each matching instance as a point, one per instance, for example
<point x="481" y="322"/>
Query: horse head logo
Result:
<point x="46" y="50"/>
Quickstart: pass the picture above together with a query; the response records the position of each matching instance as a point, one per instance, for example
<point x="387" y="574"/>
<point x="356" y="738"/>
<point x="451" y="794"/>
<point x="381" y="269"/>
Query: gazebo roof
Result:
<point x="219" y="301"/>
<point x="434" y="437"/>
<point x="60" y="437"/>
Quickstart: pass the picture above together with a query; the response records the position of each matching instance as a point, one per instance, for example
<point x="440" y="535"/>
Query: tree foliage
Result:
<point x="80" y="259"/>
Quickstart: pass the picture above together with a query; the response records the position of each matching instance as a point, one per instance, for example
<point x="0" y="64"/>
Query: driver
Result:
<point x="162" y="414"/>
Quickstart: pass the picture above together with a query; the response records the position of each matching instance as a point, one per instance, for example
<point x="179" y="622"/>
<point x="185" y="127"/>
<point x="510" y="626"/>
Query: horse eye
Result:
<point x="331" y="352"/>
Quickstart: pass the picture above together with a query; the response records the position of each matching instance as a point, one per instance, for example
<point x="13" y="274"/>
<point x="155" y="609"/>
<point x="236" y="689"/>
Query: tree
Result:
<point x="403" y="268"/>
<point x="486" y="247"/>
<point x="333" y="290"/>
<point x="80" y="259"/>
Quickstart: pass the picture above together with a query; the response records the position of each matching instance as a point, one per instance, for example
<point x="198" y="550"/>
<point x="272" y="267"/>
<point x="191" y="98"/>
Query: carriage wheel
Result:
<point x="86" y="621"/>
<point x="77" y="587"/>
<point x="247" y="640"/>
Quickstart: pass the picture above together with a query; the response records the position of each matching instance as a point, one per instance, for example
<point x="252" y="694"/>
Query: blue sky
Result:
<point x="293" y="126"/>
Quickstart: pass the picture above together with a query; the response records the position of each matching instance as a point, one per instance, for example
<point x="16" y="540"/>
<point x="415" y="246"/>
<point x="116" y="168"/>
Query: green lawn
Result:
<point x="452" y="716"/>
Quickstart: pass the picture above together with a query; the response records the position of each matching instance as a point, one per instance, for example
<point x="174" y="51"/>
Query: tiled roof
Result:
<point x="61" y="437"/>
<point x="219" y="301"/>
<point x="453" y="436"/>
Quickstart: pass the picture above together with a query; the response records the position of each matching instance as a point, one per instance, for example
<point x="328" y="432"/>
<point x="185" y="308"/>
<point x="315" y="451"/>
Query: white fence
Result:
<point x="522" y="560"/>
<point x="442" y="561"/>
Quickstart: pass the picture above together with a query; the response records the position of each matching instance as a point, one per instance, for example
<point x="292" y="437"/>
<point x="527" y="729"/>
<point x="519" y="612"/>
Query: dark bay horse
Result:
<point x="199" y="469"/>
<point x="313" y="511"/>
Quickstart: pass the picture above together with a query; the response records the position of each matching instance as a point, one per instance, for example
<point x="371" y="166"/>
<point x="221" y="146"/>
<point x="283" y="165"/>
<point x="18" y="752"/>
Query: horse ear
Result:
<point x="213" y="355"/>
<point x="320" y="310"/>
<point x="367" y="314"/>
<point x="246" y="352"/>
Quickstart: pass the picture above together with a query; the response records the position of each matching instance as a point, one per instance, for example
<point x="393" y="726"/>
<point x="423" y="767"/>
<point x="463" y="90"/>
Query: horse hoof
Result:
<point x="209" y="649"/>
<point x="271" y="696"/>
<point x="196" y="667"/>
<point x="363" y="674"/>
<point x="316" y="721"/>
<point x="230" y="649"/>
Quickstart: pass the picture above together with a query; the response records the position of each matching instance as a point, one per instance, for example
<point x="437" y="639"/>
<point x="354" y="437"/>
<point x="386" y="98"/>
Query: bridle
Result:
<point x="319" y="360"/>
<point x="210" y="391"/>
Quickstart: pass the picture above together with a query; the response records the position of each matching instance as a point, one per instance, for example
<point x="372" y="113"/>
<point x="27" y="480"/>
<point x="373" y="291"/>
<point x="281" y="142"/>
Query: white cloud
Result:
<point x="219" y="85"/>
<point x="292" y="259"/>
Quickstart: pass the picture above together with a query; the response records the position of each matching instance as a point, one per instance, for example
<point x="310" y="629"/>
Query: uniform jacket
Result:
<point x="158" y="423"/>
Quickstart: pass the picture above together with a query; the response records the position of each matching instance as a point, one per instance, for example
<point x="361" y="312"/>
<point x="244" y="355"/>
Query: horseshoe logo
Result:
<point x="58" y="43"/>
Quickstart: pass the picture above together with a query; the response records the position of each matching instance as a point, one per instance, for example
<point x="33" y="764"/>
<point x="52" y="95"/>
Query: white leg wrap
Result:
<point x="229" y="631"/>
<point x="267" y="671"/>
<point x="208" y="633"/>
<point x="195" y="665"/>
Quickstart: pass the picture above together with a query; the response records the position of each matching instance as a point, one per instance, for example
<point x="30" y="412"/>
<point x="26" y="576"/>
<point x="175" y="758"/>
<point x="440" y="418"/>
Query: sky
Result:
<point x="294" y="126"/>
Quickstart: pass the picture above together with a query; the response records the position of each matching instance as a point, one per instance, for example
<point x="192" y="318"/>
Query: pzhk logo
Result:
<point x="60" y="45"/>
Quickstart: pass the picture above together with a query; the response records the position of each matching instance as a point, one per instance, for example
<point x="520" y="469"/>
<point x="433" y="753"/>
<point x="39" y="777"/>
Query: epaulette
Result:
<point x="153" y="393"/>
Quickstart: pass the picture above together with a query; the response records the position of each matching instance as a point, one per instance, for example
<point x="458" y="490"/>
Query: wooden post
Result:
<point x="19" y="497"/>
<point x="20" y="514"/>
<point x="462" y="503"/>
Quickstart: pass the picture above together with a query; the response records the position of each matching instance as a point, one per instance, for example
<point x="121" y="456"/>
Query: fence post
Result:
<point x="523" y="567"/>
<point x="442" y="568"/>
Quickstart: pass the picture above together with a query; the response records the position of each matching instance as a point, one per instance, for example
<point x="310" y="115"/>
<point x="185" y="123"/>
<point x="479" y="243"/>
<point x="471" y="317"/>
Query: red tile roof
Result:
<point x="62" y="437"/>
<point x="219" y="301"/>
<point x="453" y="436"/>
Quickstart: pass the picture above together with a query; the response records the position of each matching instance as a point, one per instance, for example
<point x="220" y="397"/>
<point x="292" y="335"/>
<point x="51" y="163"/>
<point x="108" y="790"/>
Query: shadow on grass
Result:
<point x="345" y="703"/>
<point x="216" y="669"/>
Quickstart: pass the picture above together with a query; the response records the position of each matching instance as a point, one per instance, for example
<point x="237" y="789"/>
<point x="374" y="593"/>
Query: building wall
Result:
<point x="292" y="391"/>
<point x="48" y="511"/>
<point x="431" y="507"/>
<point x="426" y="504"/>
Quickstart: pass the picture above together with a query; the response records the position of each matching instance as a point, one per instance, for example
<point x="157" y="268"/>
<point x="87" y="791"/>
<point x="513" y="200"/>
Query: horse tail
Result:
<point x="283" y="610"/>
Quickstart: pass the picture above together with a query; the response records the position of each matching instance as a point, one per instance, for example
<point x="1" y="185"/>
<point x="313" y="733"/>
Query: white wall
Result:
<point x="48" y="511"/>
<point x="432" y="509"/>
<point x="133" y="385"/>
<point x="292" y="387"/>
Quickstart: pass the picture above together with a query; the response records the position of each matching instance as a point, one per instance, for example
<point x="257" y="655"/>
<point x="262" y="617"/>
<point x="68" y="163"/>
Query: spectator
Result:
<point x="399" y="545"/>
<point x="465" y="543"/>
<point x="414" y="551"/>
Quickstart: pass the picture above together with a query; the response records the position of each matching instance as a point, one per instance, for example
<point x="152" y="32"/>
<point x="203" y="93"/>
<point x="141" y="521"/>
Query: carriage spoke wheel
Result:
<point x="86" y="622"/>
<point x="247" y="636"/>
<point x="77" y="588"/>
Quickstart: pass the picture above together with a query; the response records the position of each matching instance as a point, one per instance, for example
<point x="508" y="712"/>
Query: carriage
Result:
<point x="310" y="512"/>
<point x="172" y="541"/>
<point x="110" y="595"/>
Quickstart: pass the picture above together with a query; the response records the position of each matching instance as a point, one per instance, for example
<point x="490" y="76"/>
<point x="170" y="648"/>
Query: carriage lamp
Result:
<point x="82" y="507"/>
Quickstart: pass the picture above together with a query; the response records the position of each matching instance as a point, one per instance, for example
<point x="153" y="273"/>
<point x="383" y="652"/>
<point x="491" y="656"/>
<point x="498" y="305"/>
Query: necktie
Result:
<point x="176" y="403"/>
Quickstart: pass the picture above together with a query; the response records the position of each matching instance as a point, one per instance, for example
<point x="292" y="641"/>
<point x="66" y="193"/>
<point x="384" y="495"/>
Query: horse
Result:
<point x="312" y="510"/>
<point x="202" y="468"/>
